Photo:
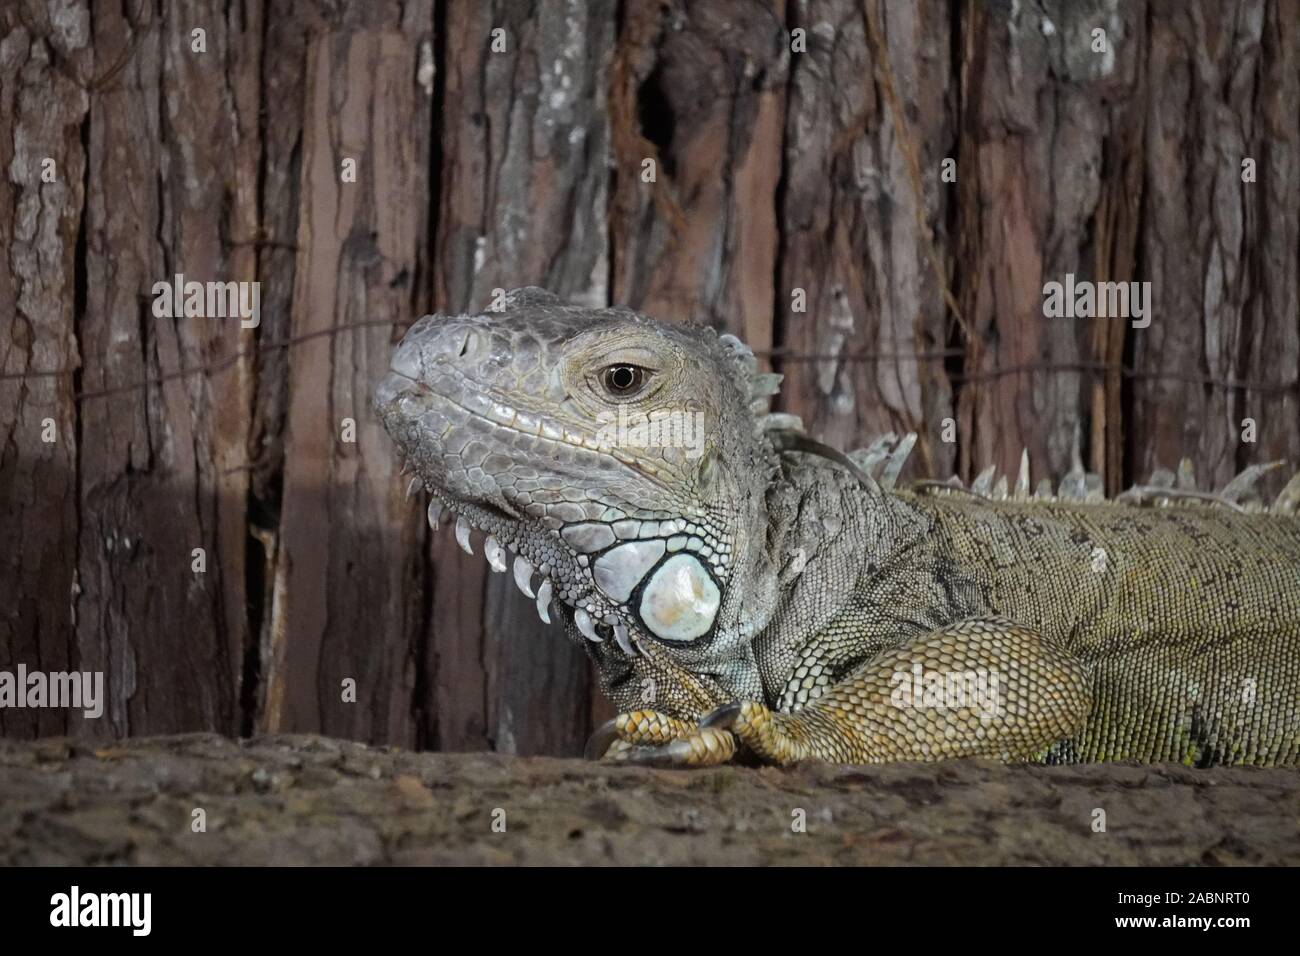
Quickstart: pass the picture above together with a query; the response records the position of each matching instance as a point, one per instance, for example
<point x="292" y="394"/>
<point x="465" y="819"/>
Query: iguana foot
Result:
<point x="649" y="738"/>
<point x="771" y="736"/>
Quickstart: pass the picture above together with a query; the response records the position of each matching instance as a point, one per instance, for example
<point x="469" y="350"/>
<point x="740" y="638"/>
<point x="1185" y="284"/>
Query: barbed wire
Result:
<point x="780" y="354"/>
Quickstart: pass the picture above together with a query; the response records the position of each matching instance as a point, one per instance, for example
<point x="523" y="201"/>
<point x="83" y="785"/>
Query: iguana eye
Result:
<point x="623" y="380"/>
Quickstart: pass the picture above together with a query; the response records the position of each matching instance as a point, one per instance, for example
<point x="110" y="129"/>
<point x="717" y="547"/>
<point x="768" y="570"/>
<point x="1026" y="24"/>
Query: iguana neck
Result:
<point x="828" y="536"/>
<point x="826" y="512"/>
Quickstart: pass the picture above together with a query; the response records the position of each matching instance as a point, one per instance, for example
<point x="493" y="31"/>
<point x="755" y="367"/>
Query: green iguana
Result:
<point x="774" y="598"/>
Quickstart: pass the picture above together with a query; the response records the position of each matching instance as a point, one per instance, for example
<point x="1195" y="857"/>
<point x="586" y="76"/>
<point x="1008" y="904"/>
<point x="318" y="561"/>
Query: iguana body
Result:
<point x="745" y="591"/>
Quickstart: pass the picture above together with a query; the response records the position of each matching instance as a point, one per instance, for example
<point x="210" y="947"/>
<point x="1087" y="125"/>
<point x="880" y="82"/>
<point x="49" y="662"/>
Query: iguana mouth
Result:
<point x="499" y="416"/>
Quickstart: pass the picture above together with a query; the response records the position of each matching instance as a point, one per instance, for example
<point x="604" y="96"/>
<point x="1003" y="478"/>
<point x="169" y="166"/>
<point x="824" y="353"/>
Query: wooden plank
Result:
<point x="347" y="597"/>
<point x="1272" y="348"/>
<point x="1039" y="109"/>
<point x="161" y="466"/>
<point x="42" y="114"/>
<point x="699" y="89"/>
<point x="850" y="237"/>
<point x="1220" y="253"/>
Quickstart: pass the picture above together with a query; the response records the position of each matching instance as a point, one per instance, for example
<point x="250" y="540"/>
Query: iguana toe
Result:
<point x="636" y="727"/>
<point x="706" y="747"/>
<point x="650" y="738"/>
<point x="765" y="732"/>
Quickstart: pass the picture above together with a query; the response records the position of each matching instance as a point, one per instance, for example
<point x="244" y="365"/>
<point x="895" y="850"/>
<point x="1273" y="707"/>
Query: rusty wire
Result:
<point x="782" y="355"/>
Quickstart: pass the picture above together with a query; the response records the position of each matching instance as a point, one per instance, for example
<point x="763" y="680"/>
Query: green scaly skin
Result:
<point x="818" y="612"/>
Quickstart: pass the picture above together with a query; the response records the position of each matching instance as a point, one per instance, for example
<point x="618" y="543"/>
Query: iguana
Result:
<point x="744" y="590"/>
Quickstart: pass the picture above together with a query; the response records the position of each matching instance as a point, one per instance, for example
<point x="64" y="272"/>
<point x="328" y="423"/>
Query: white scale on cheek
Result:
<point x="588" y="536"/>
<point x="620" y="569"/>
<point x="680" y="601"/>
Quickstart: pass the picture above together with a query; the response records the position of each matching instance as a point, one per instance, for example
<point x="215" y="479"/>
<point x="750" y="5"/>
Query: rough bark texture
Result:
<point x="1221" y="254"/>
<point x="42" y="117"/>
<point x="851" y="241"/>
<point x="293" y="800"/>
<point x="358" y="252"/>
<point x="797" y="199"/>
<point x="1041" y="115"/>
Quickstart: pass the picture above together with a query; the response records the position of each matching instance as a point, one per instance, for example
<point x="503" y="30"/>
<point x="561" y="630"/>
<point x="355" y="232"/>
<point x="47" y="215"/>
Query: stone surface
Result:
<point x="315" y="800"/>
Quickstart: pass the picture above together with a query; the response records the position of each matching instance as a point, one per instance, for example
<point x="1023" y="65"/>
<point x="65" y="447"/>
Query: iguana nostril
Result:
<point x="437" y="339"/>
<point x="457" y="344"/>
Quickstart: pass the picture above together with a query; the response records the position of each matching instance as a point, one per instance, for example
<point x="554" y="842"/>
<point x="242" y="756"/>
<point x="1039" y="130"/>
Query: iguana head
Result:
<point x="622" y="460"/>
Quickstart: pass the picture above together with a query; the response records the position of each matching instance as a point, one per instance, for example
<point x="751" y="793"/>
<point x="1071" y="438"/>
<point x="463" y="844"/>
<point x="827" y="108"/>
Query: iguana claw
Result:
<point x="723" y="717"/>
<point x="669" y="755"/>
<point x="599" y="742"/>
<point x="649" y="738"/>
<point x="703" y="747"/>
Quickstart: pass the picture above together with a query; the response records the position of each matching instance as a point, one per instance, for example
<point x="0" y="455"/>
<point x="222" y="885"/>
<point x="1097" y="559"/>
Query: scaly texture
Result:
<point x="747" y="591"/>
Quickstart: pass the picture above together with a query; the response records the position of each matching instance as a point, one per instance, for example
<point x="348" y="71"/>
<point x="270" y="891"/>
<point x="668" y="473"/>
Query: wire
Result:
<point x="785" y="355"/>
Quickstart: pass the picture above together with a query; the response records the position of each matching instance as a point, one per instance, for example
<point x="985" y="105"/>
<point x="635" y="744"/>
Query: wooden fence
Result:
<point x="802" y="199"/>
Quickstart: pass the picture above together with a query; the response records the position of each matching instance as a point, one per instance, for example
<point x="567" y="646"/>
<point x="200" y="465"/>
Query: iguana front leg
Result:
<point x="1016" y="695"/>
<point x="655" y="738"/>
<point x="983" y="687"/>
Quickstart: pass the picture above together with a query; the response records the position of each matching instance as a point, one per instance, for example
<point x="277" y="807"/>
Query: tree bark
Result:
<point x="852" y="237"/>
<point x="43" y="109"/>
<point x="344" y="621"/>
